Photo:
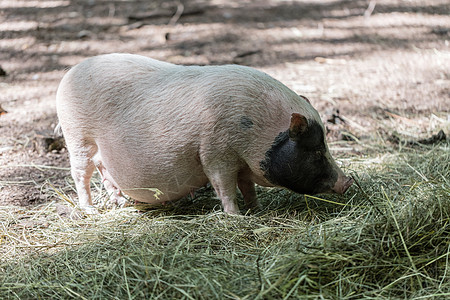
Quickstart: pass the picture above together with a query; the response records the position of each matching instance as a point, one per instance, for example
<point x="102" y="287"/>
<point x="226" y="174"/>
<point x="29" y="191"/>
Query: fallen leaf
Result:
<point x="2" y="111"/>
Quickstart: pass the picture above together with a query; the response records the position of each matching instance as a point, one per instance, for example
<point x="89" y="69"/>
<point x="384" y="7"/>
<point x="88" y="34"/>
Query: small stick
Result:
<point x="369" y="10"/>
<point x="177" y="15"/>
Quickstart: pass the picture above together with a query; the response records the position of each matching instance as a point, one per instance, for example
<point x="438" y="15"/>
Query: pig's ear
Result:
<point x="304" y="98"/>
<point x="298" y="125"/>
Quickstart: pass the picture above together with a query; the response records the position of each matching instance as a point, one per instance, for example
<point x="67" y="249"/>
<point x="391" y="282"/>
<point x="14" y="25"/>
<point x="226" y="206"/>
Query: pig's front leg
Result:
<point x="247" y="188"/>
<point x="224" y="183"/>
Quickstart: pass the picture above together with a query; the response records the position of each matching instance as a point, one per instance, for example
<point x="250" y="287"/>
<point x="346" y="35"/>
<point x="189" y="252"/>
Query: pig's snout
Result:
<point x="342" y="184"/>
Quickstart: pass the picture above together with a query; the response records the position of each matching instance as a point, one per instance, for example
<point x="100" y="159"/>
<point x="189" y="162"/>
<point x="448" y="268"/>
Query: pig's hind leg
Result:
<point x="111" y="187"/>
<point x="82" y="166"/>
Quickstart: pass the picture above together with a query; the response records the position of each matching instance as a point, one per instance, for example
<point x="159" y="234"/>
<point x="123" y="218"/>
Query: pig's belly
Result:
<point x="174" y="173"/>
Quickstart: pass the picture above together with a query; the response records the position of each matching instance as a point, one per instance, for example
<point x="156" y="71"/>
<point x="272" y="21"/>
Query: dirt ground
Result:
<point x="371" y="71"/>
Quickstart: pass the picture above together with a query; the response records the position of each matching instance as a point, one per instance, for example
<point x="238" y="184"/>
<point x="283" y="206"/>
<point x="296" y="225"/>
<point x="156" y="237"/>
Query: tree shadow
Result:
<point x="45" y="37"/>
<point x="97" y="21"/>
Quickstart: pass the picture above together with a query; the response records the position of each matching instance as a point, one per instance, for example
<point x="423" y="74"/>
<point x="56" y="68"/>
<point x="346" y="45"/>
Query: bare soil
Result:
<point x="369" y="73"/>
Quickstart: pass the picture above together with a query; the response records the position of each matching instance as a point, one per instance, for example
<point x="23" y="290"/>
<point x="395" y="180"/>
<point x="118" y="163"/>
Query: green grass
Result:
<point x="387" y="238"/>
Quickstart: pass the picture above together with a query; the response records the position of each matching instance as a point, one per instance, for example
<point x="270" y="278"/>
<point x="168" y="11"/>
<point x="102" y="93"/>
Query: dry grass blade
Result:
<point x="413" y="265"/>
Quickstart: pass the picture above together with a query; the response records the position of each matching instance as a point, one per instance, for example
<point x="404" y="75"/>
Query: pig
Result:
<point x="147" y="124"/>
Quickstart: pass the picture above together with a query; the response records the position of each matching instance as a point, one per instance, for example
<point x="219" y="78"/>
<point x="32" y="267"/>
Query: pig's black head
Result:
<point x="298" y="159"/>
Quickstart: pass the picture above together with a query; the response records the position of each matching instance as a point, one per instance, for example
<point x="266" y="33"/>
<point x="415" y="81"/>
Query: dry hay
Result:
<point x="389" y="237"/>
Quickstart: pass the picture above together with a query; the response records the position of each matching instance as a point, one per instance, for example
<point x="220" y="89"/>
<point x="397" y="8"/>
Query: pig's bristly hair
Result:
<point x="158" y="125"/>
<point x="300" y="162"/>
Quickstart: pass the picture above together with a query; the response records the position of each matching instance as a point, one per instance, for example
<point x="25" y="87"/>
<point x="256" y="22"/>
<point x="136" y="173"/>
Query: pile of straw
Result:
<point x="388" y="237"/>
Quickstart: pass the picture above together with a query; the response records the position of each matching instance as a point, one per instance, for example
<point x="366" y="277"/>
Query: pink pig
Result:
<point x="148" y="124"/>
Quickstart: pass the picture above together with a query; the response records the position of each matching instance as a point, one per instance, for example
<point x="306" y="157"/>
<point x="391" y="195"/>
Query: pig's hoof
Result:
<point x="254" y="209"/>
<point x="253" y="205"/>
<point x="116" y="201"/>
<point x="232" y="212"/>
<point x="89" y="210"/>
